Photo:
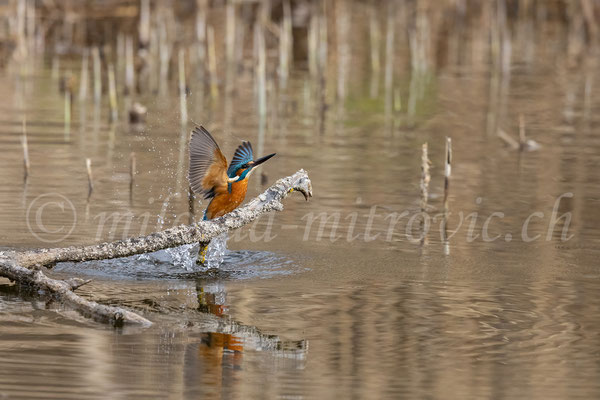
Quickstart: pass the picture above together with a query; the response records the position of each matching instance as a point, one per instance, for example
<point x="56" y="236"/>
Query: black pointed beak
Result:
<point x="261" y="160"/>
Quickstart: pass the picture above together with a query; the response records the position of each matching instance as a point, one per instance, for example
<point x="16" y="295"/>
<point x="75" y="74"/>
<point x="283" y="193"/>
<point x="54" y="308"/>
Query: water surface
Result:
<point x="362" y="310"/>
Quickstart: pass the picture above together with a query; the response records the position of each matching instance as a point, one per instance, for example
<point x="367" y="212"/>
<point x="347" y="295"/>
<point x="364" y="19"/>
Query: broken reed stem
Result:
<point x="201" y="38"/>
<point x="287" y="14"/>
<point x="447" y="173"/>
<point x="164" y="55"/>
<point x="389" y="54"/>
<point x="522" y="137"/>
<point x="97" y="75"/>
<point x="590" y="16"/>
<point x="240" y="35"/>
<point x="261" y="73"/>
<point x="132" y="169"/>
<point x="321" y="68"/>
<point x="283" y="59"/>
<point x="397" y="100"/>
<point x="83" y="83"/>
<point x="285" y="39"/>
<point x="425" y="178"/>
<point x="201" y="20"/>
<point x="120" y="53"/>
<point x="25" y="150"/>
<point x="230" y="31"/>
<point x="182" y="88"/>
<point x="342" y="48"/>
<point x="20" y="18"/>
<point x="67" y="112"/>
<point x="212" y="62"/>
<point x="322" y="59"/>
<point x="129" y="67"/>
<point x="112" y="93"/>
<point x="144" y="27"/>
<point x="30" y="39"/>
<point x="153" y="56"/>
<point x="313" y="35"/>
<point x="506" y="138"/>
<point x="88" y="166"/>
<point x="375" y="37"/>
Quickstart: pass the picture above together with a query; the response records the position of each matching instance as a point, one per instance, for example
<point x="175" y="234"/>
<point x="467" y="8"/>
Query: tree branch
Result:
<point x="63" y="290"/>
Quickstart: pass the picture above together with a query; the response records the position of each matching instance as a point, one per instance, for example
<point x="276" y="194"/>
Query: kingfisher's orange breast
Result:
<point x="226" y="202"/>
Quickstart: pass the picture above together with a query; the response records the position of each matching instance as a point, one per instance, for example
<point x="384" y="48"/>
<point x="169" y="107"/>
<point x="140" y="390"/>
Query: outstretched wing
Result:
<point x="243" y="154"/>
<point x="208" y="166"/>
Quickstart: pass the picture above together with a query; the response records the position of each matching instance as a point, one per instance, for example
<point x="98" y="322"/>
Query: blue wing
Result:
<point x="243" y="154"/>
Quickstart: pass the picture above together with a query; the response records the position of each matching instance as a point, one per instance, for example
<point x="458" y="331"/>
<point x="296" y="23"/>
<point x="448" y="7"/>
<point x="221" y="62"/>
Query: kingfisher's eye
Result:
<point x="244" y="166"/>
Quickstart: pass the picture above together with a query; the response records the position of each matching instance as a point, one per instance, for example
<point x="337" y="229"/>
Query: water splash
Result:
<point x="184" y="256"/>
<point x="216" y="251"/>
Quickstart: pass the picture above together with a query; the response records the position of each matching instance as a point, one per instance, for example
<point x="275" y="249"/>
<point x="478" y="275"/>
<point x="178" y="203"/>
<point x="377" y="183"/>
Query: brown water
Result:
<point x="296" y="314"/>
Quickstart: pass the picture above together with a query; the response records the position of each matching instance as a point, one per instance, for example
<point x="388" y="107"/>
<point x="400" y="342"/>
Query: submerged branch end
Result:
<point x="63" y="290"/>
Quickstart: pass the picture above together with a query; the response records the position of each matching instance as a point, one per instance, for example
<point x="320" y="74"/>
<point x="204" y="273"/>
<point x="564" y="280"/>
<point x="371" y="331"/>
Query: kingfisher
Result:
<point x="210" y="176"/>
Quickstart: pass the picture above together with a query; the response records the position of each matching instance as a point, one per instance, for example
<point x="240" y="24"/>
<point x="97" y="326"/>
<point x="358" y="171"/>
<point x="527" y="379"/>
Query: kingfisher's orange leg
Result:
<point x="202" y="253"/>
